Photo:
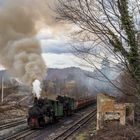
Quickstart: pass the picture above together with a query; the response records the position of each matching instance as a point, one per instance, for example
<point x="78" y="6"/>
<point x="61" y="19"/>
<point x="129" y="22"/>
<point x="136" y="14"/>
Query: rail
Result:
<point x="21" y="134"/>
<point x="12" y="124"/>
<point x="76" y="126"/>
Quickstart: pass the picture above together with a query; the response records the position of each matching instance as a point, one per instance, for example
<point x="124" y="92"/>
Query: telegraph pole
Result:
<point x="2" y="88"/>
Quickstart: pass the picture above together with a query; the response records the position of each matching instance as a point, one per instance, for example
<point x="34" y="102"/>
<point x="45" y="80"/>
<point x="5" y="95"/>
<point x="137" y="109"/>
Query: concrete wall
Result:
<point x="109" y="110"/>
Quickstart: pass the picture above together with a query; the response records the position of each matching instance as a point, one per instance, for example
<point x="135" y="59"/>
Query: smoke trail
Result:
<point x="20" y="51"/>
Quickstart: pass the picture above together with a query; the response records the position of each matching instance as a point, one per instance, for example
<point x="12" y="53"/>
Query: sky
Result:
<point x="57" y="52"/>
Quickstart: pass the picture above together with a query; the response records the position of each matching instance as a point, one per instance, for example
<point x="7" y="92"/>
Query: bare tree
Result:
<point x="111" y="25"/>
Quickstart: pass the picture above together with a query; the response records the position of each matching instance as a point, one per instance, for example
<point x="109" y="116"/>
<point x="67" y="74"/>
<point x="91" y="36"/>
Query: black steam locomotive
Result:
<point x="48" y="110"/>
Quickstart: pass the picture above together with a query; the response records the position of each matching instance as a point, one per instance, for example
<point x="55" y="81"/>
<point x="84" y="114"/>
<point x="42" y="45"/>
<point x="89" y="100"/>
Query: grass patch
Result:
<point x="81" y="136"/>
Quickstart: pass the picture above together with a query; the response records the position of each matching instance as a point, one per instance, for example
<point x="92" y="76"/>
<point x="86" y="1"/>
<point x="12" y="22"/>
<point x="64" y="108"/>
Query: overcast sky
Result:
<point x="56" y="51"/>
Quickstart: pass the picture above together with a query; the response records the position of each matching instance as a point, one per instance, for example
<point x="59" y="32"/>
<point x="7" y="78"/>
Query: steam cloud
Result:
<point x="20" y="51"/>
<point x="37" y="88"/>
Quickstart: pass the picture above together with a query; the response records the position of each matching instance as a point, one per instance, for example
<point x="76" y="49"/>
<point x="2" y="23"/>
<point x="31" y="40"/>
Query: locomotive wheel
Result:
<point x="33" y="123"/>
<point x="54" y="119"/>
<point x="70" y="112"/>
<point x="41" y="122"/>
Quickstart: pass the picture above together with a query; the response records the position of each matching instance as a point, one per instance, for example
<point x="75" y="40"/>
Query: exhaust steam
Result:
<point x="36" y="88"/>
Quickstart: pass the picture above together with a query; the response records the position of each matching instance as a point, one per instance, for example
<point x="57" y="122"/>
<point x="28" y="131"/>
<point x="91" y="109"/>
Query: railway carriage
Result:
<point x="68" y="105"/>
<point x="57" y="107"/>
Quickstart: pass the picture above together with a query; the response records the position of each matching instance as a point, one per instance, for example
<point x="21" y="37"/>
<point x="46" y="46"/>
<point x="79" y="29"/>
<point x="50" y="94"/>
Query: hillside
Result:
<point x="93" y="81"/>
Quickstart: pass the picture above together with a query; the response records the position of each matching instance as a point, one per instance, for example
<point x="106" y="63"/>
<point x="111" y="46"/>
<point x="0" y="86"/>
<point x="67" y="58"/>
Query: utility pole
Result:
<point x="2" y="89"/>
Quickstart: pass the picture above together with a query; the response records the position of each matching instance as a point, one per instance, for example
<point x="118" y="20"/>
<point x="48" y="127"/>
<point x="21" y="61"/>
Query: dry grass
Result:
<point x="117" y="132"/>
<point x="11" y="111"/>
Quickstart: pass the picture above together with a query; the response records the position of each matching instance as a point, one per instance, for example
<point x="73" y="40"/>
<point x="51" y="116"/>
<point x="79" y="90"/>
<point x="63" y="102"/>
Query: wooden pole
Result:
<point x="2" y="89"/>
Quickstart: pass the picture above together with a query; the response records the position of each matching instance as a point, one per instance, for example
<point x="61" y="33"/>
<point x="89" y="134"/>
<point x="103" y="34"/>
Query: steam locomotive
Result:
<point x="46" y="110"/>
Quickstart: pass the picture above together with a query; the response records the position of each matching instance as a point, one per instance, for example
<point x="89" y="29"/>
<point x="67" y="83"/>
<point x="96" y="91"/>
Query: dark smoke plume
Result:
<point x="20" y="51"/>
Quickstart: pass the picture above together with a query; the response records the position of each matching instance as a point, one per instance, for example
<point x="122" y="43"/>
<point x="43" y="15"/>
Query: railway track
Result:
<point x="76" y="126"/>
<point x="21" y="134"/>
<point x="11" y="120"/>
<point x="27" y="132"/>
<point x="12" y="124"/>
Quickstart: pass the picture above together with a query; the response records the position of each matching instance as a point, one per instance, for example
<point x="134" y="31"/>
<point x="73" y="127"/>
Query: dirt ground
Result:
<point x="117" y="132"/>
<point x="10" y="112"/>
<point x="86" y="132"/>
<point x="109" y="132"/>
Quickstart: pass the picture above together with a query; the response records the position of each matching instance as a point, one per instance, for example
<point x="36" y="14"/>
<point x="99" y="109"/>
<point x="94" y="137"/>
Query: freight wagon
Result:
<point x="84" y="102"/>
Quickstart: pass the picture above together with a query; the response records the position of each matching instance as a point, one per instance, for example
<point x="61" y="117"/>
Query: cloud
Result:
<point x="63" y="61"/>
<point x="1" y="2"/>
<point x="55" y="46"/>
<point x="52" y="42"/>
